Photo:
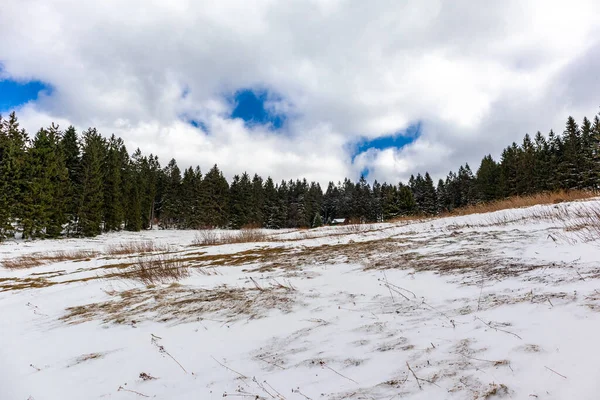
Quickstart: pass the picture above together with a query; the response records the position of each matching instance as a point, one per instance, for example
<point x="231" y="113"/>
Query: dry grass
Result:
<point x="210" y="237"/>
<point x="154" y="269"/>
<point x="525" y="201"/>
<point x="176" y="304"/>
<point x="37" y="259"/>
<point x="136" y="247"/>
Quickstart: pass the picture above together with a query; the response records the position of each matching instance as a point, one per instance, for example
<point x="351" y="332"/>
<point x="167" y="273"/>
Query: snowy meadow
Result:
<point x="484" y="306"/>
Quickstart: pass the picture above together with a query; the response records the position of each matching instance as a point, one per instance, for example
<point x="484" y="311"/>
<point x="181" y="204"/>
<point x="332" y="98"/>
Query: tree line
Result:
<point x="61" y="183"/>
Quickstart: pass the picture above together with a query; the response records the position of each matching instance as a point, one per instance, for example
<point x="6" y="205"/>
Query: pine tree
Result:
<point x="406" y="201"/>
<point x="390" y="207"/>
<point x="487" y="180"/>
<point x="6" y="229"/>
<point x="270" y="210"/>
<point x="257" y="201"/>
<point x="376" y="204"/>
<point x="113" y="185"/>
<point x="525" y="168"/>
<point x="542" y="170"/>
<point x="587" y="170"/>
<point x="13" y="173"/>
<point x="595" y="149"/>
<point x="430" y="205"/>
<point x="570" y="168"/>
<point x="172" y="203"/>
<point x="317" y="221"/>
<point x="70" y="149"/>
<point x="215" y="191"/>
<point x="89" y="215"/>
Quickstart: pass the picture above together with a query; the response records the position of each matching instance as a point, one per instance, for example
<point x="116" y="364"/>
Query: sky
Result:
<point x="322" y="89"/>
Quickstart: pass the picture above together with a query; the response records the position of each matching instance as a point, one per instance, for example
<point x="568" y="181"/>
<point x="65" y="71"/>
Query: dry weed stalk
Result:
<point x="162" y="350"/>
<point x="37" y="259"/>
<point x="419" y="379"/>
<point x="498" y="329"/>
<point x="551" y="370"/>
<point x="121" y="388"/>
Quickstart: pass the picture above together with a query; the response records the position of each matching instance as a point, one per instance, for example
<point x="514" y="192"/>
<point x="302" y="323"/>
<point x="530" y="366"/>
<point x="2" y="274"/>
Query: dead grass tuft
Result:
<point x="136" y="247"/>
<point x="494" y="390"/>
<point x="37" y="259"/>
<point x="153" y="269"/>
<point x="208" y="237"/>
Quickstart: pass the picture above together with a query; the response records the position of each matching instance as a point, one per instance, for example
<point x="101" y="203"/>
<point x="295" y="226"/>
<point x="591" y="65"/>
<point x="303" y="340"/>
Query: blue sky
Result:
<point x="14" y="94"/>
<point x="251" y="106"/>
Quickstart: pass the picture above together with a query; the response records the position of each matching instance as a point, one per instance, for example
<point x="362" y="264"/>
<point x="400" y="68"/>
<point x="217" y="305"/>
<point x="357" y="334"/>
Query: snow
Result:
<point x="500" y="305"/>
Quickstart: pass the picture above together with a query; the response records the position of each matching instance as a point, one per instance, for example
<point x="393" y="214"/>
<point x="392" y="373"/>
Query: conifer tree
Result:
<point x="570" y="168"/>
<point x="171" y="207"/>
<point x="215" y="190"/>
<point x="270" y="209"/>
<point x="487" y="180"/>
<point x="113" y="185"/>
<point x="89" y="215"/>
<point x="257" y="201"/>
<point x="406" y="201"/>
<point x="70" y="149"/>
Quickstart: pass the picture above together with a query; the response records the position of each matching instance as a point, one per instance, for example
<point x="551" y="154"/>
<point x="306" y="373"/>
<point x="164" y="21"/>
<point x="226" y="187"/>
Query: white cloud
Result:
<point x="478" y="75"/>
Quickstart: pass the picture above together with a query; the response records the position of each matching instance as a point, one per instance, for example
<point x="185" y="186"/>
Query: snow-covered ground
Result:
<point x="502" y="305"/>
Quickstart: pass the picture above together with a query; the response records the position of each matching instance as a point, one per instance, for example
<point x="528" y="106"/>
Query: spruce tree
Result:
<point x="487" y="181"/>
<point x="70" y="149"/>
<point x="113" y="185"/>
<point x="90" y="210"/>
<point x="215" y="191"/>
<point x="13" y="173"/>
<point x="570" y="168"/>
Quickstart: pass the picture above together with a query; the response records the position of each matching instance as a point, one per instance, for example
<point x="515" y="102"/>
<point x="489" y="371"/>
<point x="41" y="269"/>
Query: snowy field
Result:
<point x="490" y="306"/>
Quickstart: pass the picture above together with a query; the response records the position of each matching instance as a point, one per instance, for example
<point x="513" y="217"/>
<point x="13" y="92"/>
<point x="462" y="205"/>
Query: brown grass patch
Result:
<point x="176" y="303"/>
<point x="153" y="269"/>
<point x="37" y="259"/>
<point x="136" y="247"/>
<point x="525" y="201"/>
<point x="209" y="237"/>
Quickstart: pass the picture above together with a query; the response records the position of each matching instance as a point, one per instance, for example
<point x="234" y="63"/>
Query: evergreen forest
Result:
<point x="64" y="183"/>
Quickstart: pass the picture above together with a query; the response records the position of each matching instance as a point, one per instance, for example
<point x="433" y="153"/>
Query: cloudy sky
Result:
<point x="320" y="89"/>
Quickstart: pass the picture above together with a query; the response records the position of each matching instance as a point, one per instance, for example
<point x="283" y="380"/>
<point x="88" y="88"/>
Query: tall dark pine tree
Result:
<point x="587" y="155"/>
<point x="113" y="185"/>
<point x="172" y="203"/>
<point x="270" y="209"/>
<point x="90" y="210"/>
<point x="487" y="180"/>
<point x="70" y="149"/>
<point x="12" y="173"/>
<point x="542" y="171"/>
<point x="570" y="168"/>
<point x="595" y="146"/>
<point x="257" y="201"/>
<point x="215" y="191"/>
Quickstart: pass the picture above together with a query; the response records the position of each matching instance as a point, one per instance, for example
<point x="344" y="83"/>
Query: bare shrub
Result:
<point x="154" y="269"/>
<point x="245" y="235"/>
<point x="37" y="259"/>
<point x="206" y="237"/>
<point x="135" y="247"/>
<point x="248" y="236"/>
